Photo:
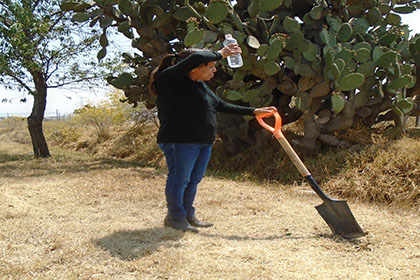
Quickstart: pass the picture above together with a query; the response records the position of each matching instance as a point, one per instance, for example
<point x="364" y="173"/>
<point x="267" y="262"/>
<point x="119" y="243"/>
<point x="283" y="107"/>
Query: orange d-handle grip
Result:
<point x="276" y="130"/>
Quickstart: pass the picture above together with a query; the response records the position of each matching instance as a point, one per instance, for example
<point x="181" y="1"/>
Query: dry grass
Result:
<point x="80" y="217"/>
<point x="384" y="171"/>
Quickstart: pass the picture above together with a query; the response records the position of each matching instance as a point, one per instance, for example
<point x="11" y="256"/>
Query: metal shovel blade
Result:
<point x="340" y="219"/>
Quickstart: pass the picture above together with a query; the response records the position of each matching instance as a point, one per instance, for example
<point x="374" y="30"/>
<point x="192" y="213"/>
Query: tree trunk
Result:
<point x="36" y="118"/>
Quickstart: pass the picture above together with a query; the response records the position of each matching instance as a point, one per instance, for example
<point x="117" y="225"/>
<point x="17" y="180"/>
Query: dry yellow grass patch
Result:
<point x="79" y="217"/>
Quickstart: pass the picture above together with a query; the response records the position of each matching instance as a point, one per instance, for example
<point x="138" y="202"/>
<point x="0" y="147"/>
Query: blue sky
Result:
<point x="66" y="101"/>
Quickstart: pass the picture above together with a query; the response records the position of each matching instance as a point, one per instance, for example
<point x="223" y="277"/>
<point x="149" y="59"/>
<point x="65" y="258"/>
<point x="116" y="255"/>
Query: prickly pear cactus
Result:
<point x="334" y="64"/>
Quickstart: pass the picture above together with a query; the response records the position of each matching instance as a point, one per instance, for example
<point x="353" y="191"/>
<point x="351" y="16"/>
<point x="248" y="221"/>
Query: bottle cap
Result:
<point x="228" y="36"/>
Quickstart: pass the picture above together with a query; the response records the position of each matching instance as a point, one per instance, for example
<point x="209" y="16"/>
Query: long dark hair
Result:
<point x="167" y="60"/>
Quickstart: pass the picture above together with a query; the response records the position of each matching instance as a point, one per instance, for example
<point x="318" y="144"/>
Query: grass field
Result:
<point x="75" y="216"/>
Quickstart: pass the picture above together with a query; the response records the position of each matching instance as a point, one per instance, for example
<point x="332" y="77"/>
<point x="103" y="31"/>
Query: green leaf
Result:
<point x="367" y="68"/>
<point x="393" y="18"/>
<point x="217" y="11"/>
<point x="384" y="8"/>
<point x="304" y="70"/>
<point x="338" y="103"/>
<point x="295" y="41"/>
<point x="210" y="36"/>
<point x="399" y="82"/>
<point x="351" y="81"/>
<point x="250" y="94"/>
<point x="68" y="6"/>
<point x="103" y="41"/>
<point x="124" y="26"/>
<point x="329" y="59"/>
<point x="193" y="37"/>
<point x="291" y="25"/>
<point x="289" y="62"/>
<point x="276" y="46"/>
<point x="398" y="111"/>
<point x="238" y="76"/>
<point x="341" y="64"/>
<point x="405" y="105"/>
<point x="316" y="12"/>
<point x="271" y="68"/>
<point x="328" y="38"/>
<point x="105" y="22"/>
<point x="233" y="95"/>
<point x="320" y="89"/>
<point x="345" y="55"/>
<point x="124" y="80"/>
<point x="126" y="7"/>
<point x="182" y="14"/>
<point x="361" y="25"/>
<point x="386" y="59"/>
<point x="362" y="55"/>
<point x="335" y="71"/>
<point x="362" y="45"/>
<point x="377" y="52"/>
<point x="80" y="17"/>
<point x="361" y="98"/>
<point x="387" y="39"/>
<point x="101" y="54"/>
<point x="344" y="32"/>
<point x="374" y="15"/>
<point x="262" y="50"/>
<point x="310" y="53"/>
<point x="269" y="5"/>
<point x="405" y="9"/>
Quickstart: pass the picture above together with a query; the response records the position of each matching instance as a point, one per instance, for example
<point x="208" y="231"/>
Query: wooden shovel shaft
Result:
<point x="300" y="165"/>
<point x="292" y="154"/>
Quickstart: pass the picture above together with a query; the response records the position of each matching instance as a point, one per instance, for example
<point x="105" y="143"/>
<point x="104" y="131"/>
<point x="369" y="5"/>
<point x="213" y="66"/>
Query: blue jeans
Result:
<point x="187" y="164"/>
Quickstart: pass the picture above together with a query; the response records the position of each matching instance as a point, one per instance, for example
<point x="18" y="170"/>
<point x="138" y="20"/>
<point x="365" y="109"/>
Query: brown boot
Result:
<point x="179" y="224"/>
<point x="197" y="223"/>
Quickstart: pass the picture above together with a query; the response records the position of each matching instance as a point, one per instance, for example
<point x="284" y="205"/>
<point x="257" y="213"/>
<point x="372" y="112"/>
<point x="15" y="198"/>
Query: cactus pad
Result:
<point x="338" y="103"/>
<point x="269" y="5"/>
<point x="233" y="95"/>
<point x="386" y="59"/>
<point x="217" y="11"/>
<point x="399" y="82"/>
<point x="291" y="25"/>
<point x="193" y="37"/>
<point x="351" y="81"/>
<point x="271" y="68"/>
<point x="344" y="32"/>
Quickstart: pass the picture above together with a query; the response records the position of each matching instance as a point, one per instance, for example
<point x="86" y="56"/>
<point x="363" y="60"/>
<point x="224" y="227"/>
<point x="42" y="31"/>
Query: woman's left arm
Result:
<point x="225" y="107"/>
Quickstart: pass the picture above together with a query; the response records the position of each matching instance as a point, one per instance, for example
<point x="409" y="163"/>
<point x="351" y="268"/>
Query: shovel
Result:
<point x="336" y="213"/>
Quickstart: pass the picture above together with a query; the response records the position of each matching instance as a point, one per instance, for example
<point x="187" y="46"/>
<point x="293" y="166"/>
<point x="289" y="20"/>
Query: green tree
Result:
<point x="40" y="49"/>
<point x="335" y="65"/>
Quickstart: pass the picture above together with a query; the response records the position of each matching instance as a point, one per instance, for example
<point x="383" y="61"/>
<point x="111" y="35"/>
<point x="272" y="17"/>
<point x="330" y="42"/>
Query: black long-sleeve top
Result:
<point x="186" y="108"/>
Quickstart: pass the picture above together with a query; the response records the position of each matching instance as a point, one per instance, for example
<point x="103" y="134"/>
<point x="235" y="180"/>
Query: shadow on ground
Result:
<point x="130" y="245"/>
<point x="135" y="244"/>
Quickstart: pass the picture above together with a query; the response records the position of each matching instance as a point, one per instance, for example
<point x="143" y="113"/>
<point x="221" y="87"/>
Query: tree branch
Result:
<point x="19" y="81"/>
<point x="72" y="82"/>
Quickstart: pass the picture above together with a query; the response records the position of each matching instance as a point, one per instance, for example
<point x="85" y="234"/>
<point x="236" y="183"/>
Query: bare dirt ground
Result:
<point x="78" y="217"/>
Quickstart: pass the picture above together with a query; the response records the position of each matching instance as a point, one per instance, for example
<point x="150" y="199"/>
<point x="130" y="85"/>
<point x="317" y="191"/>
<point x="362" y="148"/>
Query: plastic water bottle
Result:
<point x="234" y="61"/>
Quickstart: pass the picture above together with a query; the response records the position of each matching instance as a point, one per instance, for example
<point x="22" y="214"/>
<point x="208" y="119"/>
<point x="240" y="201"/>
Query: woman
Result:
<point x="187" y="113"/>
